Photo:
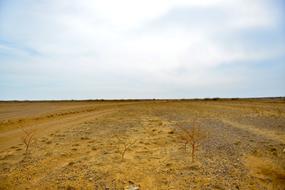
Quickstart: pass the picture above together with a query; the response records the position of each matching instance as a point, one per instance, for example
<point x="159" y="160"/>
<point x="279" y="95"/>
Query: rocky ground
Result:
<point x="140" y="145"/>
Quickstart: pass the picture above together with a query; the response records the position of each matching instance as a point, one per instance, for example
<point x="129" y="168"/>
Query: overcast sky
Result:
<point x="80" y="49"/>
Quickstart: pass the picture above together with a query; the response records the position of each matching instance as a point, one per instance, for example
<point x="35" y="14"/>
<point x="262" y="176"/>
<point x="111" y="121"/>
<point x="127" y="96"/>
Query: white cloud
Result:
<point x="91" y="37"/>
<point x="87" y="26"/>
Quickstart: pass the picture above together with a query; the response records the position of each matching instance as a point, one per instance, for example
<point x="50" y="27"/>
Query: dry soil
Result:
<point x="138" y="145"/>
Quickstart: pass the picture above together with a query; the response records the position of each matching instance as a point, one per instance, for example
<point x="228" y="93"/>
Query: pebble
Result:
<point x="132" y="187"/>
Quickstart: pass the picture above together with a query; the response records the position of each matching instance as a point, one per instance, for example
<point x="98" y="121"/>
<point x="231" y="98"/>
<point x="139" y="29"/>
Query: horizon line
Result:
<point x="142" y="99"/>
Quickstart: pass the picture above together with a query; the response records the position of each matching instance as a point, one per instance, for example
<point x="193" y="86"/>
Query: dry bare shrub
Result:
<point x="27" y="138"/>
<point x="125" y="144"/>
<point x="192" y="135"/>
<point x="256" y="111"/>
<point x="279" y="112"/>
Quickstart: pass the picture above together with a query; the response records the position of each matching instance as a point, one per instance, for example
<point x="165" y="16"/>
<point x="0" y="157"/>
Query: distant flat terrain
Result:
<point x="140" y="144"/>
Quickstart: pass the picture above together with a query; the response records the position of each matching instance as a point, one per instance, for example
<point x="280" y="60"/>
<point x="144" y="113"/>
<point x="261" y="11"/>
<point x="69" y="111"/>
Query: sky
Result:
<point x="114" y="49"/>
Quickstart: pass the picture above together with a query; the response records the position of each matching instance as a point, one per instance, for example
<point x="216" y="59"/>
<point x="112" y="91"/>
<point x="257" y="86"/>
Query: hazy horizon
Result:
<point x="162" y="49"/>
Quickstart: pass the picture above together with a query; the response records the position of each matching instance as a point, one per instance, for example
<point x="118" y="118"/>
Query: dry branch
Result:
<point x="126" y="145"/>
<point x="27" y="139"/>
<point x="191" y="135"/>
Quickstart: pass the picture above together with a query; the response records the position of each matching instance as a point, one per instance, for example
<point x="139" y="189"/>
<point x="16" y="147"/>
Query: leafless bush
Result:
<point x="27" y="138"/>
<point x="279" y="112"/>
<point x="192" y="135"/>
<point x="125" y="146"/>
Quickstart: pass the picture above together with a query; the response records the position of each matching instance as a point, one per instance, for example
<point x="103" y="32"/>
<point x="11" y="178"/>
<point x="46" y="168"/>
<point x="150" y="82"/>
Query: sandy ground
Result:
<point x="139" y="145"/>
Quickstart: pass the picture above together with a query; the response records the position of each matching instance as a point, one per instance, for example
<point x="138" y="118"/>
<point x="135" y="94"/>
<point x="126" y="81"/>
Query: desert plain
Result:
<point x="239" y="144"/>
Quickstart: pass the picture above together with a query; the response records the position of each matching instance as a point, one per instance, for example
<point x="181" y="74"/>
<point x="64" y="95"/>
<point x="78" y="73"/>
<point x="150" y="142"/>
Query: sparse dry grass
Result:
<point x="138" y="144"/>
<point x="270" y="172"/>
